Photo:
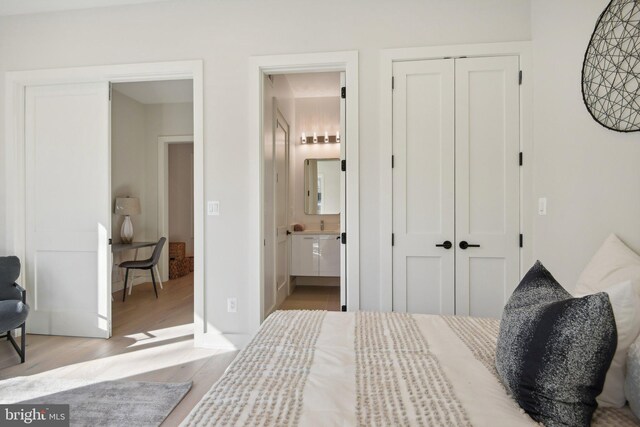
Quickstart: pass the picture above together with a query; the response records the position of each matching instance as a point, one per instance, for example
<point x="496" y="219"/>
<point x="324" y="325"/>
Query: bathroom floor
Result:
<point x="313" y="298"/>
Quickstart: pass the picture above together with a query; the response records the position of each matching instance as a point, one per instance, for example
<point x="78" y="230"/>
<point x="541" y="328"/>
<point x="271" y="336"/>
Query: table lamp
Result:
<point x="127" y="206"/>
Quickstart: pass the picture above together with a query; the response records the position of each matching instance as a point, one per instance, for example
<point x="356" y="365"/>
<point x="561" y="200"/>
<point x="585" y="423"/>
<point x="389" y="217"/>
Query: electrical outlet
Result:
<point x="232" y="305"/>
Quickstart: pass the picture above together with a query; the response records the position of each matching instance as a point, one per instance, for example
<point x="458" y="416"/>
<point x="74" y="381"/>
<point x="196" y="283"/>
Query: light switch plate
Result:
<point x="542" y="206"/>
<point x="232" y="305"/>
<point x="213" y="207"/>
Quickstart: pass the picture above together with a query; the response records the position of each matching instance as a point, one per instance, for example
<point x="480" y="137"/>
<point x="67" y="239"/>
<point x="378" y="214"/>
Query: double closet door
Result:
<point x="456" y="185"/>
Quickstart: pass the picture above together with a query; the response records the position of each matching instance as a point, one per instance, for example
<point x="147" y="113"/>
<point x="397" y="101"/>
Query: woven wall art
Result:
<point x="611" y="68"/>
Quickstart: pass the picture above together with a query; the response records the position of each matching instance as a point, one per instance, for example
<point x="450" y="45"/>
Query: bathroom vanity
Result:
<point x="315" y="253"/>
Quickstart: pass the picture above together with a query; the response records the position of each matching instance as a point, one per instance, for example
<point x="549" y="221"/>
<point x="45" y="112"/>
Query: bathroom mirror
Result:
<point x="322" y="186"/>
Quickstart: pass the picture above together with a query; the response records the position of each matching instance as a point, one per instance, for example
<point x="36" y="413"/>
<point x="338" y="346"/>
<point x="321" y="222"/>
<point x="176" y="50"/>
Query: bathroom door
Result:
<point x="281" y="186"/>
<point x="343" y="195"/>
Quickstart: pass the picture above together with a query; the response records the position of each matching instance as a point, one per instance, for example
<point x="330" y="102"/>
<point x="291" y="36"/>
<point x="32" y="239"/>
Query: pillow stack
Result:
<point x="561" y="357"/>
<point x="554" y="350"/>
<point x="615" y="269"/>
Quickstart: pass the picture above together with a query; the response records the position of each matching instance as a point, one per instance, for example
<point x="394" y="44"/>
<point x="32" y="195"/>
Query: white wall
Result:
<point x="128" y="158"/>
<point x="312" y="115"/>
<point x="590" y="175"/>
<point x="225" y="34"/>
<point x="181" y="195"/>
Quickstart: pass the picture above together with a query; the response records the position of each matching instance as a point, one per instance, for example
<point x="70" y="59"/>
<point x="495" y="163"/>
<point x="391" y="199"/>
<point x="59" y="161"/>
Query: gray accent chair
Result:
<point x="13" y="304"/>
<point x="144" y="264"/>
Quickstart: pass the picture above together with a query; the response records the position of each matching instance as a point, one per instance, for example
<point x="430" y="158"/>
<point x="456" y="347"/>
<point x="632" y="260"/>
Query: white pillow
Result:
<point x="632" y="382"/>
<point x="613" y="263"/>
<point x="626" y="310"/>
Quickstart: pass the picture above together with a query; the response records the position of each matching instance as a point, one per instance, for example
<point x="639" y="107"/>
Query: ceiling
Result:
<point x="314" y="85"/>
<point x="22" y="7"/>
<point x="163" y="92"/>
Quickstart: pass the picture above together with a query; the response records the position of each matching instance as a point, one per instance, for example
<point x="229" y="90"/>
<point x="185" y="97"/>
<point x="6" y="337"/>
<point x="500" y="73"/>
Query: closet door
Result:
<point x="423" y="186"/>
<point x="487" y="184"/>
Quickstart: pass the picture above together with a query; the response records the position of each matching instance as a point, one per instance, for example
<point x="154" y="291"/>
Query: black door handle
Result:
<point x="288" y="232"/>
<point x="465" y="245"/>
<point x="446" y="244"/>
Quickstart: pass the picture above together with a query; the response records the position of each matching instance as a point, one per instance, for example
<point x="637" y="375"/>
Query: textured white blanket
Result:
<point x="313" y="368"/>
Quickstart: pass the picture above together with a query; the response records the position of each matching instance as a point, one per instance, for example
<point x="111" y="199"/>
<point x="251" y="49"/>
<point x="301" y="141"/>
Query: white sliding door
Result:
<point x="487" y="183"/>
<point x="423" y="186"/>
<point x="68" y="206"/>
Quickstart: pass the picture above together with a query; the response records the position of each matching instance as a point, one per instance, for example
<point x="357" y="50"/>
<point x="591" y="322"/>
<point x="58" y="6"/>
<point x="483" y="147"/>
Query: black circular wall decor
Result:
<point x="611" y="68"/>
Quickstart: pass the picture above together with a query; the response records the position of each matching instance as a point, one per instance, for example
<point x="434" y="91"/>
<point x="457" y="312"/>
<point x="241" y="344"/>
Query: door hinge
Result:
<point x="520" y="159"/>
<point x="393" y="161"/>
<point x="343" y="92"/>
<point x="521" y="240"/>
<point x="344" y="308"/>
<point x="343" y="166"/>
<point x="111" y="241"/>
<point x="110" y="90"/>
<point x="343" y="236"/>
<point x="393" y="83"/>
<point x="393" y="239"/>
<point x="520" y="77"/>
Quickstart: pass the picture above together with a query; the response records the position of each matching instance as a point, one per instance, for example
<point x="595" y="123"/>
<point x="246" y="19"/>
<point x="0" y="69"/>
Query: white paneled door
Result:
<point x="455" y="185"/>
<point x="423" y="187"/>
<point x="281" y="185"/>
<point x="487" y="184"/>
<point x="68" y="209"/>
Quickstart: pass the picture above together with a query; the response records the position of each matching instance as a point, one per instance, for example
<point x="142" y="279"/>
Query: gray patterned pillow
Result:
<point x="554" y="350"/>
<point x="632" y="381"/>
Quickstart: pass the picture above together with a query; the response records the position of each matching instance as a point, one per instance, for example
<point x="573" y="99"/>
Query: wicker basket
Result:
<point x="177" y="250"/>
<point x="178" y="268"/>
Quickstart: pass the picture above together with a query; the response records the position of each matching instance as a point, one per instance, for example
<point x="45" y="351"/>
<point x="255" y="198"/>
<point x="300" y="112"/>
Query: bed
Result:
<point x="316" y="368"/>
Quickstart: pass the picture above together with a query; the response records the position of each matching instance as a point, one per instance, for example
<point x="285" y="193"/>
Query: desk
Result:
<point x="121" y="247"/>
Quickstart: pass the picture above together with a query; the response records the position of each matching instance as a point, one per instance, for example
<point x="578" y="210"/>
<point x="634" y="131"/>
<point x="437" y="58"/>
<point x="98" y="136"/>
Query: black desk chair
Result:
<point x="144" y="264"/>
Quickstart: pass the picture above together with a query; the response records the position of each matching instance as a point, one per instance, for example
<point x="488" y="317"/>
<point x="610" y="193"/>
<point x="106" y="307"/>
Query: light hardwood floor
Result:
<point x="152" y="341"/>
<point x="313" y="298"/>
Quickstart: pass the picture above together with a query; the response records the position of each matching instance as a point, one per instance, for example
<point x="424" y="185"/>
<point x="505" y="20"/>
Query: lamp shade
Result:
<point x="127" y="206"/>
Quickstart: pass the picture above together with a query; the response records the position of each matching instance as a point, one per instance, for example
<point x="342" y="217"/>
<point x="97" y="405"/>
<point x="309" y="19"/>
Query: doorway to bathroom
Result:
<point x="304" y="191"/>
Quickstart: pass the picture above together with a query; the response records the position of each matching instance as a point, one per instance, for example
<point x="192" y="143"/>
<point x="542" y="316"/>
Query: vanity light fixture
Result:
<point x="327" y="139"/>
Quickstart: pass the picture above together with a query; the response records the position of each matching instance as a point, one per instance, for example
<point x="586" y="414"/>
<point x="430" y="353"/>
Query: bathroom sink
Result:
<point x="318" y="231"/>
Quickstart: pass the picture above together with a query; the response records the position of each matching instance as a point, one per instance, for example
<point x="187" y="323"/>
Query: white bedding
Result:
<point x="312" y="368"/>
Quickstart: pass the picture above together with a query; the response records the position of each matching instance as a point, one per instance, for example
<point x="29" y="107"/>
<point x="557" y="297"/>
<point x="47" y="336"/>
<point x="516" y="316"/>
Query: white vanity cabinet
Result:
<point x="315" y="255"/>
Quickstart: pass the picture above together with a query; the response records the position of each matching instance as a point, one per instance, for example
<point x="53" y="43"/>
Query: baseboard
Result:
<point x="317" y="281"/>
<point x="222" y="341"/>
